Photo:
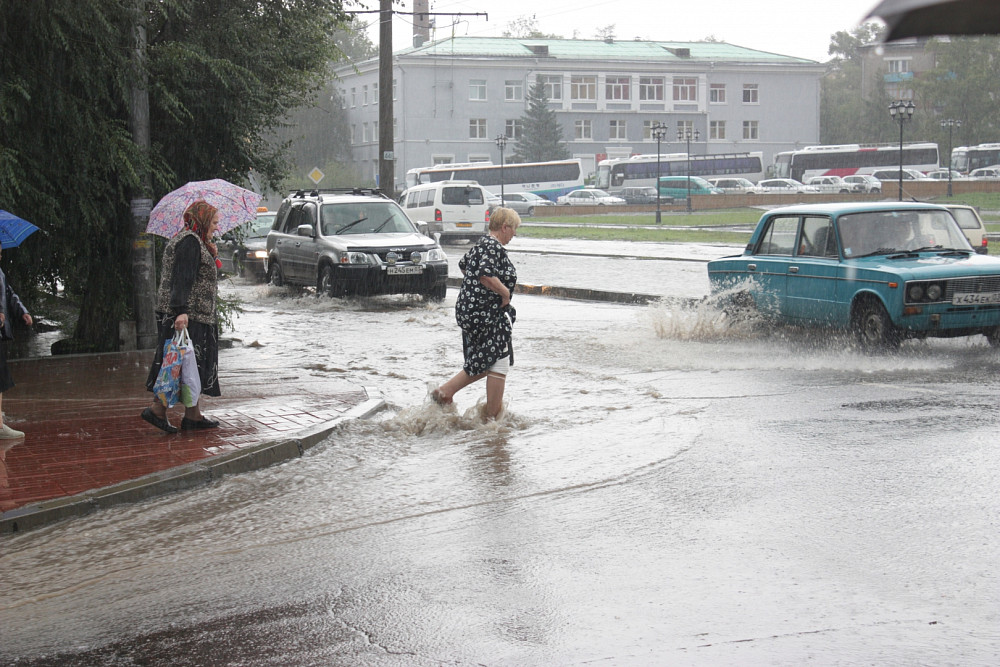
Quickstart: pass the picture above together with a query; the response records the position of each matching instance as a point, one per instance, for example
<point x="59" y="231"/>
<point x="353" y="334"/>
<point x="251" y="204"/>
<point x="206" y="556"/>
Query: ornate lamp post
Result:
<point x="659" y="132"/>
<point x="901" y="112"/>
<point x="685" y="135"/>
<point x="501" y="144"/>
<point x="951" y="124"/>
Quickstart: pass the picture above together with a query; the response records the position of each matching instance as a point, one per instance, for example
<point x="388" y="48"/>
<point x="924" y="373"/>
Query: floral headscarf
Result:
<point x="198" y="218"/>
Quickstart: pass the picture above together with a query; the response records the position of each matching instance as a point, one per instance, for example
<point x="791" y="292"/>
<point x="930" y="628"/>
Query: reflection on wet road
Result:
<point x="661" y="490"/>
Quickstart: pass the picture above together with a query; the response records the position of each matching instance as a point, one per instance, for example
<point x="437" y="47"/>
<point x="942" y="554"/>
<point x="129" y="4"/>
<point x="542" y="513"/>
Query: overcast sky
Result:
<point x="800" y="28"/>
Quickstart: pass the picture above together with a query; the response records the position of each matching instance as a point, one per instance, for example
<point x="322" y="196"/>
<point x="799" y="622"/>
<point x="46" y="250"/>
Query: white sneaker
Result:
<point x="8" y="433"/>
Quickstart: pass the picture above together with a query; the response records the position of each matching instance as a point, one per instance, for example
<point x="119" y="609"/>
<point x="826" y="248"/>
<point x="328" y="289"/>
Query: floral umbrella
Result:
<point x="13" y="230"/>
<point x="236" y="205"/>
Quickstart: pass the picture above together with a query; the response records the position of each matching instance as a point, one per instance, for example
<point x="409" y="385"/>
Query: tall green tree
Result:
<point x="541" y="135"/>
<point x="845" y="116"/>
<point x="221" y="75"/>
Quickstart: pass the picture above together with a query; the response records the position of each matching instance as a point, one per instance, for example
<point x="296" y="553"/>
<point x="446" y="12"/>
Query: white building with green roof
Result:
<point x="454" y="96"/>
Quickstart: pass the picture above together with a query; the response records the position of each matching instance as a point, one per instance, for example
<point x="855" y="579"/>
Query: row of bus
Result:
<point x="554" y="179"/>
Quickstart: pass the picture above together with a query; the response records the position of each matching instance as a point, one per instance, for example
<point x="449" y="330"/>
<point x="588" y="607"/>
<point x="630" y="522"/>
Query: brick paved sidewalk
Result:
<point x="86" y="447"/>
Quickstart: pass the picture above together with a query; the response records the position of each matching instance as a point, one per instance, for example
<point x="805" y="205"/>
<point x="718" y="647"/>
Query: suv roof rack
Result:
<point x="315" y="192"/>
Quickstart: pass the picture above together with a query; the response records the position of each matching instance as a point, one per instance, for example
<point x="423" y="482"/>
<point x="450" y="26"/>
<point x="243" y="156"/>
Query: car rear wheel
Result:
<point x="275" y="276"/>
<point x="531" y="210"/>
<point x="873" y="327"/>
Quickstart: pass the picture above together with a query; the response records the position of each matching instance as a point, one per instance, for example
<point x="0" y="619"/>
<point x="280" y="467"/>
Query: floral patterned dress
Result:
<point x="486" y="325"/>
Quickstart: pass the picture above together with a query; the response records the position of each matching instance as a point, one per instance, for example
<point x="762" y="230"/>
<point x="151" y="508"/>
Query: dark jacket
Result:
<point x="11" y="307"/>
<point x="189" y="281"/>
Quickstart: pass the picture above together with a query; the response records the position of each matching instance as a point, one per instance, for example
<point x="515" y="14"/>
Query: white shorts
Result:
<point x="501" y="367"/>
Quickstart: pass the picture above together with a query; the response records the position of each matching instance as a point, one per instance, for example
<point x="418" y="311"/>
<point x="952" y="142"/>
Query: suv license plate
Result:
<point x="974" y="299"/>
<point x="403" y="270"/>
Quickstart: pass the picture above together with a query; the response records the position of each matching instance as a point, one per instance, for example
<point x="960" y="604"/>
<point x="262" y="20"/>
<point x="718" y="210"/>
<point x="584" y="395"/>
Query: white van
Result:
<point x="455" y="209"/>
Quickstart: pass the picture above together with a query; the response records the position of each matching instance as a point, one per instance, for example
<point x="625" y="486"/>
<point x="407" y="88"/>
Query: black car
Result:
<point x="243" y="251"/>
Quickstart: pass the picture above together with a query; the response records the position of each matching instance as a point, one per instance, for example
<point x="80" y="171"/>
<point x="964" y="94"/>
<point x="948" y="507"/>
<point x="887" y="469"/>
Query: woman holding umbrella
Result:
<point x="186" y="299"/>
<point x="10" y="306"/>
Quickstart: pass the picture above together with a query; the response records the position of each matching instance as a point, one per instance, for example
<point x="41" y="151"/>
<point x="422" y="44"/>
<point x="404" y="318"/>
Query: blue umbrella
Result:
<point x="13" y="230"/>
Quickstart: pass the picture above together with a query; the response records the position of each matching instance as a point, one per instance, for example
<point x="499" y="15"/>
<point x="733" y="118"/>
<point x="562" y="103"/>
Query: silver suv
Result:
<point x="353" y="242"/>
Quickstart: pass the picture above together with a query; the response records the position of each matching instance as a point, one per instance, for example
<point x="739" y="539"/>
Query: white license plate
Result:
<point x="403" y="270"/>
<point x="975" y="299"/>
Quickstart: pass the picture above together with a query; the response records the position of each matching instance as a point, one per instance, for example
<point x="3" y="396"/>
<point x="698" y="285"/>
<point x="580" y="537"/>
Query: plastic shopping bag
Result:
<point x="167" y="387"/>
<point x="190" y="379"/>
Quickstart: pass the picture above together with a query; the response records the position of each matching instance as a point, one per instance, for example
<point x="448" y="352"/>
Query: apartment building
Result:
<point x="452" y="97"/>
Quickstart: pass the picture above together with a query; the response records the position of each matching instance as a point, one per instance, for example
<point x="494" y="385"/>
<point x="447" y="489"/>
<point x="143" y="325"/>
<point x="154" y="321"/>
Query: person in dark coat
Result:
<point x="484" y="313"/>
<point x="186" y="299"/>
<point x="10" y="307"/>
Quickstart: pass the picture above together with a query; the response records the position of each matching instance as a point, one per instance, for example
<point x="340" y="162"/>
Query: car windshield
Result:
<point x="888" y="232"/>
<point x="363" y="218"/>
<point x="259" y="228"/>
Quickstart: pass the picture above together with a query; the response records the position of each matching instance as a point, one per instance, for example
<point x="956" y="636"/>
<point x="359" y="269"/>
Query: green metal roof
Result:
<point x="593" y="49"/>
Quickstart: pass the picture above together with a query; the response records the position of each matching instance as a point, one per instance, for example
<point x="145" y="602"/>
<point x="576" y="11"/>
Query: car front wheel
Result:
<point x="994" y="337"/>
<point x="327" y="282"/>
<point x="873" y="327"/>
<point x="276" y="277"/>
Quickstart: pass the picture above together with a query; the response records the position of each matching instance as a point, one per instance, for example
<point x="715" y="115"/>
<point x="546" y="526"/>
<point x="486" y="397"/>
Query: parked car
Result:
<point x="243" y="251"/>
<point x="893" y="175"/>
<point x="737" y="186"/>
<point x="971" y="225"/>
<point x="353" y="242"/>
<point x="986" y="174"/>
<point x="642" y="195"/>
<point x="454" y="209"/>
<point x="868" y="182"/>
<point x="883" y="270"/>
<point x="678" y="187"/>
<point x="834" y="184"/>
<point x="525" y="203"/>
<point x="493" y="200"/>
<point x="942" y="175"/>
<point x="785" y="186"/>
<point x="590" y="197"/>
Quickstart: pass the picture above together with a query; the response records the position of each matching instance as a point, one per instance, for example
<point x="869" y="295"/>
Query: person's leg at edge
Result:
<point x="446" y="392"/>
<point x="495" y="384"/>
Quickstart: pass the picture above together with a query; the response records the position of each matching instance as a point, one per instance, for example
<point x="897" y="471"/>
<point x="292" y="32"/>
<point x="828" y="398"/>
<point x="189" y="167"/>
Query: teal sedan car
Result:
<point x="885" y="271"/>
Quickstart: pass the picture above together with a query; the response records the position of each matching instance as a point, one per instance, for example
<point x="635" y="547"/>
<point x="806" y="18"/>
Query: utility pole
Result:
<point x="143" y="259"/>
<point x="386" y="156"/>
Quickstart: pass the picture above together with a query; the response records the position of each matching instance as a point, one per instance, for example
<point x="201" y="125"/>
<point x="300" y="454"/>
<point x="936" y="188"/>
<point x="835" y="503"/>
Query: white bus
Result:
<point x="967" y="158"/>
<point x="639" y="170"/>
<point x="546" y="179"/>
<point x="848" y="159"/>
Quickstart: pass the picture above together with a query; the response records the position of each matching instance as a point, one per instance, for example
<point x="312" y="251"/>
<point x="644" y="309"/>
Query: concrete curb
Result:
<point x="577" y="293"/>
<point x="183" y="477"/>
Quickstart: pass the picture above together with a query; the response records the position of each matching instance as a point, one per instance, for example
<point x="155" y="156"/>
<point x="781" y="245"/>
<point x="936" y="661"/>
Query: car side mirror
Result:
<point x="422" y="227"/>
<point x="305" y="230"/>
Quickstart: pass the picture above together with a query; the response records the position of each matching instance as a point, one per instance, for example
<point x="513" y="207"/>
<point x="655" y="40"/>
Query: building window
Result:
<point x="552" y="85"/>
<point x="375" y="136"/>
<point x="647" y="130"/>
<point x="354" y="134"/>
<point x="717" y="93"/>
<point x="899" y="91"/>
<point x="751" y="130"/>
<point x="582" y="130"/>
<point x="651" y="88"/>
<point x="364" y="96"/>
<point x="513" y="91"/>
<point x="583" y="87"/>
<point x="395" y="87"/>
<point x="478" y="158"/>
<point x="685" y="127"/>
<point x="442" y="159"/>
<point x="354" y="97"/>
<point x="716" y="129"/>
<point x="374" y="93"/>
<point x="364" y="133"/>
<point x="513" y="129"/>
<point x="898" y="66"/>
<point x="685" y="89"/>
<point x="750" y="93"/>
<point x="343" y="98"/>
<point x="477" y="90"/>
<point x="617" y="88"/>
<point x="617" y="130"/>
<point x="477" y="128"/>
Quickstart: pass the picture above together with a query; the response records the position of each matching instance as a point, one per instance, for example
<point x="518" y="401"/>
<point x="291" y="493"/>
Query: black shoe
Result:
<point x="159" y="422"/>
<point x="192" y="424"/>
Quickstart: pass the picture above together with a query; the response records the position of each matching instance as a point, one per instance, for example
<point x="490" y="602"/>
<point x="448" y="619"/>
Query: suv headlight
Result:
<point x="434" y="255"/>
<point x="356" y="258"/>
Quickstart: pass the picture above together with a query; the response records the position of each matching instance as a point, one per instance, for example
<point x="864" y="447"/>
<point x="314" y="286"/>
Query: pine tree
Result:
<point x="541" y="135"/>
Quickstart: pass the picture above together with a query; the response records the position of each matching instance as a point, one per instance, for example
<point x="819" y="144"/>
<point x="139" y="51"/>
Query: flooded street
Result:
<point x="660" y="490"/>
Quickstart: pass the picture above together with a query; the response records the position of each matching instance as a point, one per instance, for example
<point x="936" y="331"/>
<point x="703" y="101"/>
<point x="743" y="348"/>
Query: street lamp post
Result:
<point x="685" y="135"/>
<point x="501" y="144"/>
<point x="901" y="112"/>
<point x="951" y="124"/>
<point x="659" y="132"/>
